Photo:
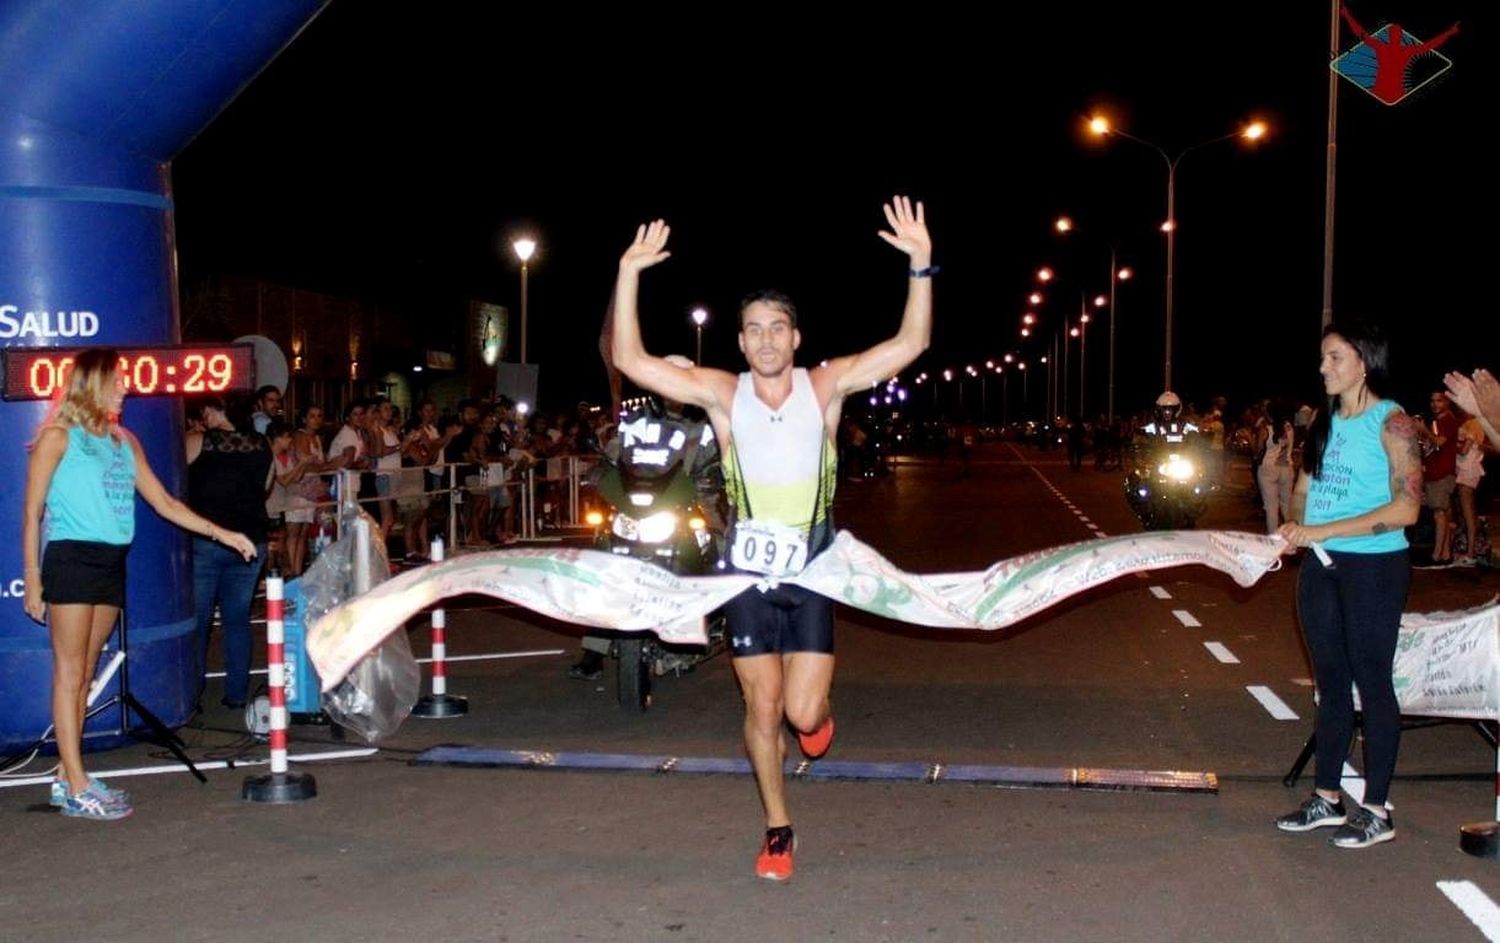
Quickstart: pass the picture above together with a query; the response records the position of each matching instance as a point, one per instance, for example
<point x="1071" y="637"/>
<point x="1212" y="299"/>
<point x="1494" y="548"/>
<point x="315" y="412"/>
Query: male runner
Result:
<point x="778" y="425"/>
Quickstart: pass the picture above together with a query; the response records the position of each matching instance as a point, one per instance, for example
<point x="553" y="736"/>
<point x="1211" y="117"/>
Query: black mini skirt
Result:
<point x="84" y="572"/>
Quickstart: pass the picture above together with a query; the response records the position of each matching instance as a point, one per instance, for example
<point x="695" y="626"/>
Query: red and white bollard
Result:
<point x="279" y="785"/>
<point x="439" y="703"/>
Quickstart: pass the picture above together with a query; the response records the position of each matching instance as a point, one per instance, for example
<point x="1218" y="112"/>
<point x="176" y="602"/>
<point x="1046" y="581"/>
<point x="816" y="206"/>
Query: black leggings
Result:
<point x="1350" y="615"/>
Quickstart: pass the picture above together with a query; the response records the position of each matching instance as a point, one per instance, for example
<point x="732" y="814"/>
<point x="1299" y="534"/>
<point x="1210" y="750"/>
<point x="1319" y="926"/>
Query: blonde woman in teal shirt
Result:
<point x="1360" y="486"/>
<point x="84" y="472"/>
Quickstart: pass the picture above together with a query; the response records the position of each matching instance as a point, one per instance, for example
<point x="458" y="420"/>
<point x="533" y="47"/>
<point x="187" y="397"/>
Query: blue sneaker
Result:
<point x="94" y="804"/>
<point x="60" y="792"/>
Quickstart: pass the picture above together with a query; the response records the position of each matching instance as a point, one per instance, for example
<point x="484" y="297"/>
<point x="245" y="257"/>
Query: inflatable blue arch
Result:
<point x="96" y="98"/>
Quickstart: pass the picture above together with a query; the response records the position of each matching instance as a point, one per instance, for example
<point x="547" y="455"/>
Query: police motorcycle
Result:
<point x="662" y="494"/>
<point x="1166" y="486"/>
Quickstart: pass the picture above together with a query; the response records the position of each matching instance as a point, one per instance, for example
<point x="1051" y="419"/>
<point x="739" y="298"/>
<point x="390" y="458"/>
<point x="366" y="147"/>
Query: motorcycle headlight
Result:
<point x="1177" y="468"/>
<point x="625" y="527"/>
<point x="658" y="528"/>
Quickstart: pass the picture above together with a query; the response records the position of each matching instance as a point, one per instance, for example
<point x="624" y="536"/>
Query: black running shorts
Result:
<point x="785" y="619"/>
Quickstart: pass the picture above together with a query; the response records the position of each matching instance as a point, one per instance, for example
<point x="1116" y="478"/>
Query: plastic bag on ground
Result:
<point x="379" y="692"/>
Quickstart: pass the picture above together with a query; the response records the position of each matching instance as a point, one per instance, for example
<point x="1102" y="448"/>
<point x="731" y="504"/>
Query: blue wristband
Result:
<point x="927" y="272"/>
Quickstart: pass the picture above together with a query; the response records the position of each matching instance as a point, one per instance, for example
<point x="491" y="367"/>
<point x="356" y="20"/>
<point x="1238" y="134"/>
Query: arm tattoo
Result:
<point x="1403" y="426"/>
<point x="1379" y="528"/>
<point x="1405" y="454"/>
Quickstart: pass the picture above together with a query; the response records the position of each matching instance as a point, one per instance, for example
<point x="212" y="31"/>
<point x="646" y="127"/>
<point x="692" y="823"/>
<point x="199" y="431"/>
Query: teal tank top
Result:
<point x="1356" y="478"/>
<point x="92" y="494"/>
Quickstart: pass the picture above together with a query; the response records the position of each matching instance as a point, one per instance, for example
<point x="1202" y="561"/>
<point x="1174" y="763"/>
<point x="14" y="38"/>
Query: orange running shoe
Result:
<point x="815" y="744"/>
<point x="774" y="863"/>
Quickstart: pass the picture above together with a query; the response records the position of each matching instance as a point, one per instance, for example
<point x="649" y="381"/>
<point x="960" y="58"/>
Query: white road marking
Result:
<point x="1476" y="905"/>
<point x="1220" y="652"/>
<point x="1186" y="618"/>
<point x="168" y="768"/>
<point x="1274" y="705"/>
<point x="1353" y="783"/>
<point x="1160" y="593"/>
<point x="493" y="656"/>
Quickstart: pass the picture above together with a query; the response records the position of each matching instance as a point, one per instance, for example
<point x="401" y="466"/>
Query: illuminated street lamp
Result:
<point x="1100" y="127"/>
<point x="700" y="317"/>
<point x="524" y="249"/>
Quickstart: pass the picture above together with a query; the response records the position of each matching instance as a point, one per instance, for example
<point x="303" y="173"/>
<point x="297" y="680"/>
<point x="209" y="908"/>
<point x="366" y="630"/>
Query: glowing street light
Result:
<point x="1035" y="298"/>
<point x="1044" y="274"/>
<point x="700" y="318"/>
<point x="524" y="249"/>
<point x="1100" y="126"/>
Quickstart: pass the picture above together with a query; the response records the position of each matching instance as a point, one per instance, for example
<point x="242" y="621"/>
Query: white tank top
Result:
<point x="781" y="466"/>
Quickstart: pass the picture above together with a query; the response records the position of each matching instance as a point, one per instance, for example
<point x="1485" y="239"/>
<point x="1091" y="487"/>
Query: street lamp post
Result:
<point x="1252" y="132"/>
<point x="524" y="249"/>
<point x="1004" y="396"/>
<point x="700" y="317"/>
<point x="1083" y="373"/>
<point x="1052" y="377"/>
<point x="1116" y="275"/>
<point x="1066" y="394"/>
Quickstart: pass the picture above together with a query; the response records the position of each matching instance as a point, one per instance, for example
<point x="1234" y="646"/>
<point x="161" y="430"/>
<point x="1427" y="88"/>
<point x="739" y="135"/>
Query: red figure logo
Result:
<point x="1393" y="51"/>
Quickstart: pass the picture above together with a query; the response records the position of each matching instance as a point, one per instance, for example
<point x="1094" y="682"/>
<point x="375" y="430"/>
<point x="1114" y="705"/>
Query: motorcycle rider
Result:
<point x="1167" y="425"/>
<point x="705" y="468"/>
<point x="1167" y="442"/>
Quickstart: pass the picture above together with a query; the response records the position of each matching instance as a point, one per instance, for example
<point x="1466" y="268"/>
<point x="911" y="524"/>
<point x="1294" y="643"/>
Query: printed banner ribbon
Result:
<point x="611" y="591"/>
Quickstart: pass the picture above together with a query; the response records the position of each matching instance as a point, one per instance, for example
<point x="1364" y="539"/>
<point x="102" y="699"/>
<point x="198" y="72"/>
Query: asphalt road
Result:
<point x="1115" y="680"/>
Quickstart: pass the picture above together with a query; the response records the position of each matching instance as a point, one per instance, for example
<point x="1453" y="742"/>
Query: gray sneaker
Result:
<point x="93" y="804"/>
<point x="1316" y="812"/>
<point x="1364" y="829"/>
<point x="60" y="792"/>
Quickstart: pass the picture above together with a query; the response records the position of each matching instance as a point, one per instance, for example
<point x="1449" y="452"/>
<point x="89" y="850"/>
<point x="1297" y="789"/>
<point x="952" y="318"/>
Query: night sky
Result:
<point x="393" y="150"/>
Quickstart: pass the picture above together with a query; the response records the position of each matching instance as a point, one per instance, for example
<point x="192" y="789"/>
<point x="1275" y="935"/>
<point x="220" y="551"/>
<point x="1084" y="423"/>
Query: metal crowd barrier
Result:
<point x="566" y="472"/>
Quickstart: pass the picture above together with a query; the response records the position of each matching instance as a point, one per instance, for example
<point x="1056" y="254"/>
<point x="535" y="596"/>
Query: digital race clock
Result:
<point x="161" y="370"/>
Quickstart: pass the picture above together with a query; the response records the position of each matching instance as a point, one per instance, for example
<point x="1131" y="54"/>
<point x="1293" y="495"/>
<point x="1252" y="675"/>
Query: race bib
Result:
<point x="768" y="548"/>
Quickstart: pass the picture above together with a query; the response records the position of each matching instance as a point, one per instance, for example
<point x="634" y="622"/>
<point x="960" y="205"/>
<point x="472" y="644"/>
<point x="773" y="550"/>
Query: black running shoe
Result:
<point x="1316" y="812"/>
<point x="1364" y="829"/>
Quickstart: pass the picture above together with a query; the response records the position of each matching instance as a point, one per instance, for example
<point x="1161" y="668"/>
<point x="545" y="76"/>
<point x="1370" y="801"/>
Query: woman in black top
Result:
<point x="228" y="476"/>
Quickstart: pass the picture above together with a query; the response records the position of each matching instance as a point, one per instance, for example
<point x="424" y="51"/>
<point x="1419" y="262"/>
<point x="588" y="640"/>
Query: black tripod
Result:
<point x="156" y="732"/>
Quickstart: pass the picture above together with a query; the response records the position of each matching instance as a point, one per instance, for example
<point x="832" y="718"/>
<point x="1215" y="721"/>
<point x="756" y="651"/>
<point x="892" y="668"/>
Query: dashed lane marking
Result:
<point x="1274" y="705"/>
<point x="1476" y="905"/>
<point x="1220" y="652"/>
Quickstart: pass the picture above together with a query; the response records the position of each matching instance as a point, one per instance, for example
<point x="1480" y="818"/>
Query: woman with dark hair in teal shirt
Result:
<point x="1360" y="486"/>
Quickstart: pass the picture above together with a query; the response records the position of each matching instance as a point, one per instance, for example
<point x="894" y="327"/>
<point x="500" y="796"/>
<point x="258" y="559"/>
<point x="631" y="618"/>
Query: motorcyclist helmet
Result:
<point x="1168" y="408"/>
